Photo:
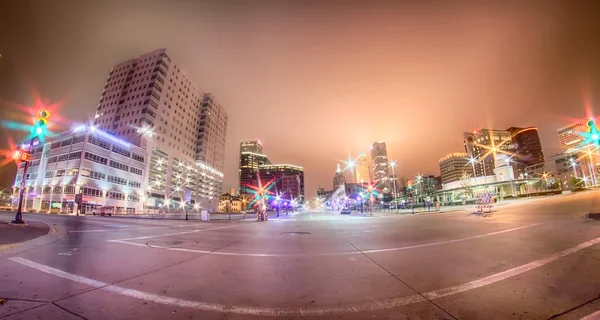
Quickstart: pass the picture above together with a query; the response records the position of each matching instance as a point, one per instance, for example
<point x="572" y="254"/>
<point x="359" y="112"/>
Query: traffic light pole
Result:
<point x="19" y="215"/>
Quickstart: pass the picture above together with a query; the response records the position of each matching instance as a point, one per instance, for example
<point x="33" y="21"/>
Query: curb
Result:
<point x="54" y="234"/>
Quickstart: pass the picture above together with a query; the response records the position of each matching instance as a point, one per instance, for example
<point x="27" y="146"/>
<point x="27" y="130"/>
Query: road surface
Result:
<point x="532" y="259"/>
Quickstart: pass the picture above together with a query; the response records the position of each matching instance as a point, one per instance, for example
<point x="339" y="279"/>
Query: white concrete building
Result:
<point x="149" y="104"/>
<point x="152" y="102"/>
<point x="105" y="170"/>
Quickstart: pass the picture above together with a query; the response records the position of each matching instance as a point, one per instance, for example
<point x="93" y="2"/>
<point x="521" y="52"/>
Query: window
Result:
<point x="60" y="173"/>
<point x="99" y="142"/>
<point x="138" y="158"/>
<point x="93" y="174"/>
<point x="91" y="192"/>
<point x="31" y="176"/>
<point x="72" y="172"/>
<point x="69" y="190"/>
<point x="66" y="142"/>
<point x="116" y="180"/>
<point x="121" y="151"/>
<point x="116" y="195"/>
<point x="136" y="171"/>
<point x="75" y="155"/>
<point x="135" y="184"/>
<point x="55" y="145"/>
<point x="47" y="189"/>
<point x="35" y="163"/>
<point x="133" y="198"/>
<point x="49" y="174"/>
<point x="96" y="158"/>
<point x="119" y="165"/>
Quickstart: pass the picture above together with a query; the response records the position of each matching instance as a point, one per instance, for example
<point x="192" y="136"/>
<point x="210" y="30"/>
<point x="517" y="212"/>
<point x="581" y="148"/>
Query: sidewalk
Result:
<point x="10" y="234"/>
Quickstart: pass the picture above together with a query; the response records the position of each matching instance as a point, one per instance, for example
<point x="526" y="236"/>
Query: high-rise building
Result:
<point x="572" y="141"/>
<point x="484" y="145"/>
<point x="338" y="179"/>
<point x="251" y="146"/>
<point x="151" y="102"/>
<point x="528" y="148"/>
<point x="274" y="173"/>
<point x="453" y="166"/>
<point x="381" y="172"/>
<point x="212" y="133"/>
<point x="570" y="137"/>
<point x="249" y="164"/>
<point x="362" y="168"/>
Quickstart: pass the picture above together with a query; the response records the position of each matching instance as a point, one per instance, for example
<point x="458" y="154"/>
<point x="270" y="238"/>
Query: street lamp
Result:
<point x="393" y="164"/>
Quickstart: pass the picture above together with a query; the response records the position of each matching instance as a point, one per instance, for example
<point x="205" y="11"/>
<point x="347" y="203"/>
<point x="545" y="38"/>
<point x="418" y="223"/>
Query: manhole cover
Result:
<point x="172" y="243"/>
<point x="300" y="233"/>
<point x="594" y="216"/>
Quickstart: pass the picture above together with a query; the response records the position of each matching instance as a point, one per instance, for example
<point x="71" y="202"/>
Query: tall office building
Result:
<point x="248" y="172"/>
<point x="276" y="174"/>
<point x="528" y="148"/>
<point x="151" y="102"/>
<point x="338" y="179"/>
<point x="453" y="165"/>
<point x="212" y="133"/>
<point x="251" y="146"/>
<point x="381" y="172"/>
<point x="570" y="137"/>
<point x="484" y="145"/>
<point x="362" y="168"/>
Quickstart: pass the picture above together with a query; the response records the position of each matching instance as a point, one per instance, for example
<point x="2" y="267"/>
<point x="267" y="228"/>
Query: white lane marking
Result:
<point x="127" y="228"/>
<point x="263" y="311"/>
<point x="450" y="241"/>
<point x="224" y="253"/>
<point x="172" y="234"/>
<point x="69" y="253"/>
<point x="593" y="316"/>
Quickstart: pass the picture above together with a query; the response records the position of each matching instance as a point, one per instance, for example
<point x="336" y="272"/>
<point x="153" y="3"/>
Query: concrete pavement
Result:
<point x="533" y="259"/>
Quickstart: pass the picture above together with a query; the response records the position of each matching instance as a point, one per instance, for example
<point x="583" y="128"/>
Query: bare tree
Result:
<point x="465" y="183"/>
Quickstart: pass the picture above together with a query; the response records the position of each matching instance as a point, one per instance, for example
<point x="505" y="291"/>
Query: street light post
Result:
<point x="393" y="164"/>
<point x="19" y="214"/>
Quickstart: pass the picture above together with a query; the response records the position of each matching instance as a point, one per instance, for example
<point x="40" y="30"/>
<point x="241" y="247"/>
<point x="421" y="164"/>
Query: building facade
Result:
<point x="229" y="203"/>
<point x="290" y="187"/>
<point x="381" y="165"/>
<point x="338" y="179"/>
<point x="150" y="103"/>
<point x="484" y="145"/>
<point x="274" y="173"/>
<point x="453" y="166"/>
<point x="362" y="168"/>
<point x="528" y="148"/>
<point x="212" y="133"/>
<point x="570" y="137"/>
<point x="104" y="170"/>
<point x="253" y="146"/>
<point x="248" y="172"/>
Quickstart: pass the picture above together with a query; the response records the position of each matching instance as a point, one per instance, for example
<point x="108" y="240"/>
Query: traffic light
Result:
<point x="41" y="122"/>
<point x="21" y="156"/>
<point x="594" y="136"/>
<point x="410" y="185"/>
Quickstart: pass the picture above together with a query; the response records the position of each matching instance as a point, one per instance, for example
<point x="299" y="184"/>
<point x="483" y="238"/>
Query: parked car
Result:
<point x="346" y="211"/>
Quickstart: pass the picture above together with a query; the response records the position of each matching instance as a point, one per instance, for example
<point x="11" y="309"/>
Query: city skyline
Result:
<point x="410" y="109"/>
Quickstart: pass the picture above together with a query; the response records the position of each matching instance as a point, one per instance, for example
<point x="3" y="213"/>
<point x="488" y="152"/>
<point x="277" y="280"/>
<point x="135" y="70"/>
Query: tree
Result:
<point x="576" y="184"/>
<point x="465" y="183"/>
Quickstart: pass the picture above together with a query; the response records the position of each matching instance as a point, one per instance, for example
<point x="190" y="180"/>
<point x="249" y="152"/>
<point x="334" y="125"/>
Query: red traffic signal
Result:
<point x="21" y="156"/>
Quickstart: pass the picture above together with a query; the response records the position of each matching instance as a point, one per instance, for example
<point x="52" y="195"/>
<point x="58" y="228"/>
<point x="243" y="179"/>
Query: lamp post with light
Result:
<point x="393" y="164"/>
<point x="38" y="129"/>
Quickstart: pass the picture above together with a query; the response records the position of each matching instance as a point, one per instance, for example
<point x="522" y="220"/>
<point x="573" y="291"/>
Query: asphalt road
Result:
<point x="532" y="259"/>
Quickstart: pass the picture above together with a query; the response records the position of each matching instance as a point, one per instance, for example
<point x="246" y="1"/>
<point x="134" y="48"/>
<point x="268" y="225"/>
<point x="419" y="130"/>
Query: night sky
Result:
<point x="317" y="81"/>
